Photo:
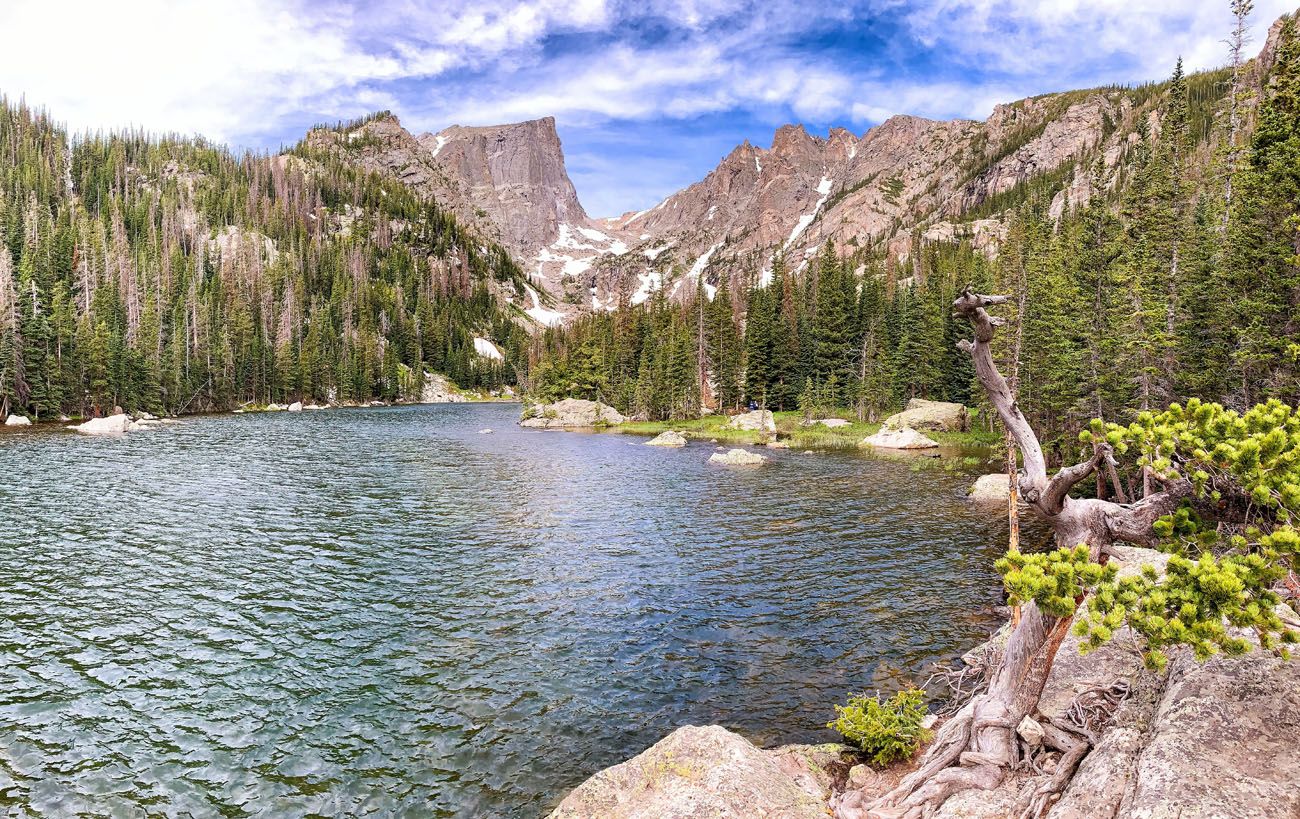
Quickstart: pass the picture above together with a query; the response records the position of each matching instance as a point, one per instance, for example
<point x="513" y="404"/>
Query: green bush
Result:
<point x="886" y="731"/>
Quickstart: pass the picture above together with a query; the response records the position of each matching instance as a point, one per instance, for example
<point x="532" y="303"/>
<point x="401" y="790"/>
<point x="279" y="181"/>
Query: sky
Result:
<point x="648" y="95"/>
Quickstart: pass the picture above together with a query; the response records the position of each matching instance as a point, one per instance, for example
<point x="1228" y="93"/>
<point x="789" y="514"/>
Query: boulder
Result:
<point x="832" y="423"/>
<point x="900" y="439"/>
<point x="698" y="772"/>
<point x="109" y="425"/>
<point x="758" y="420"/>
<point x="276" y="407"/>
<point x="931" y="415"/>
<point x="571" y="412"/>
<point x="18" y="421"/>
<point x="990" y="488"/>
<point x="778" y="444"/>
<point x="737" y="457"/>
<point x="485" y="432"/>
<point x="315" y="407"/>
<point x="668" y="438"/>
<point x="296" y="406"/>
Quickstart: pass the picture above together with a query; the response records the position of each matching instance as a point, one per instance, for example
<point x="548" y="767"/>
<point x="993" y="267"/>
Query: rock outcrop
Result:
<point x="571" y="413"/>
<point x="18" y="421"/>
<point x="108" y="425"/>
<point x="670" y="438"/>
<point x="296" y="406"/>
<point x="899" y="439"/>
<point x="737" y="457"/>
<point x="941" y="416"/>
<point x="438" y="389"/>
<point x="698" y="772"/>
<point x="758" y="420"/>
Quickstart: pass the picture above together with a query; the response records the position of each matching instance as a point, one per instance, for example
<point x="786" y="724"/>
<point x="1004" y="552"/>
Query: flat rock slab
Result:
<point x="758" y="420"/>
<point x="572" y="413"/>
<point x="705" y="773"/>
<point x="934" y="415"/>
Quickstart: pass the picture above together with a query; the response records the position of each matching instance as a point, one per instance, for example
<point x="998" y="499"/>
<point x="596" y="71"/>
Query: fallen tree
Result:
<point x="1227" y="503"/>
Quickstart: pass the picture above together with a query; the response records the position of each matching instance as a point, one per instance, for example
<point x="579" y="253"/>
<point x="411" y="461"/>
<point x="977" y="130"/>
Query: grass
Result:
<point x="789" y="428"/>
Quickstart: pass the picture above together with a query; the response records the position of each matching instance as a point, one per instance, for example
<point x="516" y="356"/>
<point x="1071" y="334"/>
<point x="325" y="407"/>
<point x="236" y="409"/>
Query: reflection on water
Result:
<point x="382" y="611"/>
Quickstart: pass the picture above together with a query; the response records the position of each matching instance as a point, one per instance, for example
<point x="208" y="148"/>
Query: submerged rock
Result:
<point x="571" y="412"/>
<point x="930" y="415"/>
<point x="710" y="772"/>
<point x="18" y="421"/>
<point x="992" y="488"/>
<point x="778" y="444"/>
<point x="485" y="432"/>
<point x="758" y="420"/>
<point x="900" y="439"/>
<point x="108" y="425"/>
<point x="737" y="457"/>
<point x="669" y="437"/>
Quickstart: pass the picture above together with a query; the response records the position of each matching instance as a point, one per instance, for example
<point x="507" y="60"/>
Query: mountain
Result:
<point x="906" y="177"/>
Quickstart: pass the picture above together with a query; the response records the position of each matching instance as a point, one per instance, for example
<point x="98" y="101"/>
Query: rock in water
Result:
<point x="933" y="415"/>
<point x="18" y="421"/>
<point x="992" y="488"/>
<point x="296" y="406"/>
<point x="737" y="457"/>
<point x="759" y="420"/>
<point x="899" y="439"/>
<point x="485" y="432"/>
<point x="708" y="772"/>
<point x="109" y="425"/>
<point x="569" y="413"/>
<point x="778" y="444"/>
<point x="668" y="438"/>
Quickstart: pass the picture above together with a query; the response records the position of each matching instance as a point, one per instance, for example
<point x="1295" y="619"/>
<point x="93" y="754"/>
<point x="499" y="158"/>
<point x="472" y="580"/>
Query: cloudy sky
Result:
<point x="648" y="94"/>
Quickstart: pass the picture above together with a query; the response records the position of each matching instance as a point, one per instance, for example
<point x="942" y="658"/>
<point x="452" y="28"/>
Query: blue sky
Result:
<point x="648" y="95"/>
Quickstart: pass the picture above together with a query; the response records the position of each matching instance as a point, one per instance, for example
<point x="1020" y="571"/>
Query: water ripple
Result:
<point x="381" y="612"/>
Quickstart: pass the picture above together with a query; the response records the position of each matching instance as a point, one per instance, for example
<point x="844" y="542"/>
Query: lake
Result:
<point x="382" y="611"/>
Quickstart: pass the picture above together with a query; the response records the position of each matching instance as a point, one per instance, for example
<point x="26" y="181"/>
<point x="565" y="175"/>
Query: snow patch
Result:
<point x="442" y="140"/>
<point x="701" y="263"/>
<point x="712" y="210"/>
<point x="757" y="166"/>
<point x="654" y="252"/>
<point x="593" y="234"/>
<point x="650" y="282"/>
<point x="487" y="349"/>
<point x="824" y="188"/>
<point x="539" y="314"/>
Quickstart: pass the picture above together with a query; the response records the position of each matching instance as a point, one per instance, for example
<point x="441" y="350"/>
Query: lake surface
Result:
<point x="381" y="611"/>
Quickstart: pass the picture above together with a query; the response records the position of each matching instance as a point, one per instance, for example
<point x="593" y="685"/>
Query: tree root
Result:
<point x="1042" y="792"/>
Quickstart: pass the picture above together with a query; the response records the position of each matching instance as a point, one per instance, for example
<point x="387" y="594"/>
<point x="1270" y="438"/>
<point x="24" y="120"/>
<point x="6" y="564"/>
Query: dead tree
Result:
<point x="978" y="746"/>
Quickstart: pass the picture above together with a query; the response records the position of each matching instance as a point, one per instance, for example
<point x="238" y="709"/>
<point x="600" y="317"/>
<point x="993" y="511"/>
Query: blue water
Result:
<point x="381" y="611"/>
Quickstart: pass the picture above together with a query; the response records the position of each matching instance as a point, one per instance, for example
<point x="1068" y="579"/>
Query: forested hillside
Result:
<point x="1178" y="278"/>
<point x="167" y="274"/>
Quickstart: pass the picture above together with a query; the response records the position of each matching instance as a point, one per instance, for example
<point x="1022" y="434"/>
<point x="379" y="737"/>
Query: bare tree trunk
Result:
<point x="977" y="747"/>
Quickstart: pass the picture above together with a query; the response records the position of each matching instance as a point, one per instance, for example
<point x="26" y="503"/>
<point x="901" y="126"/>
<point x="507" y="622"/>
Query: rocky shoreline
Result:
<point x="1219" y="738"/>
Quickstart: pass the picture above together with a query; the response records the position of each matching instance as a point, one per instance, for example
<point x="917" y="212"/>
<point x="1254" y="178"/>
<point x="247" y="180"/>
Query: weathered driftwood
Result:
<point x="978" y="746"/>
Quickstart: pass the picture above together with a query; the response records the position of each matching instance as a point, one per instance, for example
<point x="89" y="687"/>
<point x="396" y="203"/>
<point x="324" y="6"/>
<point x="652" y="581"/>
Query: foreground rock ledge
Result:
<point x="698" y="772"/>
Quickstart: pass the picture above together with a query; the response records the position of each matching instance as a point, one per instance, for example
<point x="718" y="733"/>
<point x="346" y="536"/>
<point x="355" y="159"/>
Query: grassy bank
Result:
<point x="789" y="428"/>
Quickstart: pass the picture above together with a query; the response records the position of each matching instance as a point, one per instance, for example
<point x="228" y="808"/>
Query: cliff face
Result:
<point x="515" y="173"/>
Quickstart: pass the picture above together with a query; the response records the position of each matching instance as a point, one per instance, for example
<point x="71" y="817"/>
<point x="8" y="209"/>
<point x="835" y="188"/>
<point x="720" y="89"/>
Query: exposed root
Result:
<point x="957" y="686"/>
<point x="1042" y="792"/>
<point x="1094" y="709"/>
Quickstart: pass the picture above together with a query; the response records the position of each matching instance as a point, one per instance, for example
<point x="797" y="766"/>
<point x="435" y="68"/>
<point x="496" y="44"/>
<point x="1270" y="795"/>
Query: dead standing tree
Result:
<point x="977" y="747"/>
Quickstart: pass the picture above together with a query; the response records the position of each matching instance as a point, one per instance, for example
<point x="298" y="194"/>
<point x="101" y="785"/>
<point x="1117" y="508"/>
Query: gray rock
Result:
<point x="990" y="489"/>
<point x="930" y="415"/>
<point x="571" y="413"/>
<point x="669" y="437"/>
<point x="832" y="423"/>
<point x="296" y="406"/>
<point x="699" y="772"/>
<point x="737" y="457"/>
<point x="901" y="439"/>
<point x="109" y="425"/>
<point x="18" y="421"/>
<point x="758" y="420"/>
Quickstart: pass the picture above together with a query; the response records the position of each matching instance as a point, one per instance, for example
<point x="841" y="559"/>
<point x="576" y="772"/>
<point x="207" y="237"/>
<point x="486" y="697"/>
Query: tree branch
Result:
<point x="1134" y="522"/>
<point x="970" y="305"/>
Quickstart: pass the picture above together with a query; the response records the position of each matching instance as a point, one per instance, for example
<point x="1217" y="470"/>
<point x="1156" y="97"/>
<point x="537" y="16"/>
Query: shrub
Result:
<point x="886" y="731"/>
